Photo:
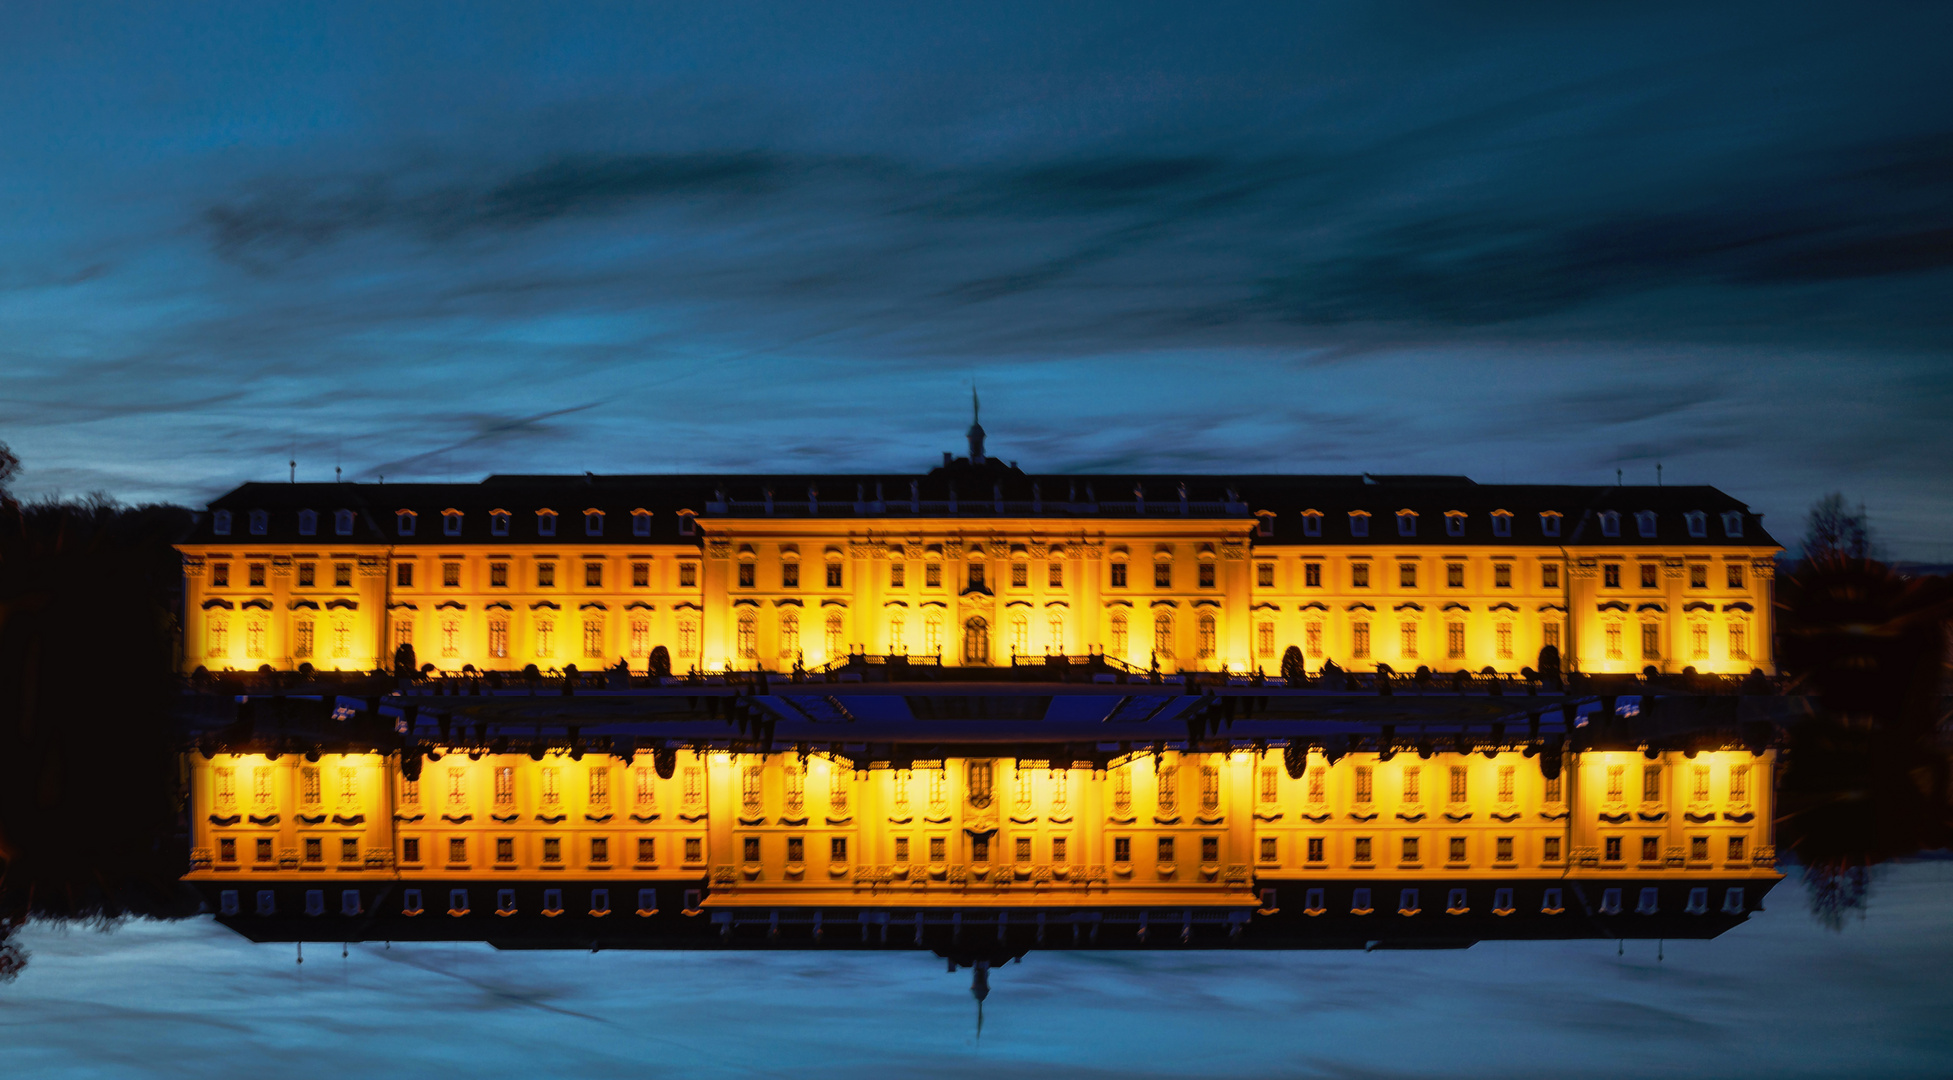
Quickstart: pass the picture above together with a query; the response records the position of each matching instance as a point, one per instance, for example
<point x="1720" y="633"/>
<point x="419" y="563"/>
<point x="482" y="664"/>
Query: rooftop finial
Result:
<point x="976" y="428"/>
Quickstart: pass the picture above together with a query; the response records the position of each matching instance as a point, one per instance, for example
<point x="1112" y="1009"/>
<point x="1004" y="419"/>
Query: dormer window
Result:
<point x="1610" y="523"/>
<point x="640" y="522"/>
<point x="1264" y="523"/>
<point x="1644" y="523"/>
<point x="1732" y="524"/>
<point x="405" y="520"/>
<point x="545" y="523"/>
<point x="1406" y="523"/>
<point x="687" y="523"/>
<point x="308" y="523"/>
<point x="260" y="522"/>
<point x="220" y="522"/>
<point x="1698" y="524"/>
<point x="498" y="523"/>
<point x="342" y="522"/>
<point x="1454" y="523"/>
<point x="1311" y="523"/>
<point x="1359" y="523"/>
<point x="593" y="522"/>
<point x="1502" y="523"/>
<point x="1549" y="523"/>
<point x="451" y="522"/>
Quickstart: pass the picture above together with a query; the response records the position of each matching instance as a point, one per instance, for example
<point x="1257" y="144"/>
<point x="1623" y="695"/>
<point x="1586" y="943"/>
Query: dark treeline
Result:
<point x="1866" y="775"/>
<point x="89" y="817"/>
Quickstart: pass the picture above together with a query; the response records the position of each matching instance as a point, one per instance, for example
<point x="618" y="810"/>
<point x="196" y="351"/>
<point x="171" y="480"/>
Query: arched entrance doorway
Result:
<point x="976" y="641"/>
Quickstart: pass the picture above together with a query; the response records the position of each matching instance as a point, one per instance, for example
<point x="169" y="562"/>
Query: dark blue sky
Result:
<point x="1520" y="241"/>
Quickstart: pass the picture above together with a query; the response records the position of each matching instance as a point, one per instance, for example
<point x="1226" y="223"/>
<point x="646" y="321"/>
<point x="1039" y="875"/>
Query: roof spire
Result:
<point x="976" y="428"/>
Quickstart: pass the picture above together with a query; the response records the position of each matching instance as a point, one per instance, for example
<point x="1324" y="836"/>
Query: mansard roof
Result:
<point x="992" y="489"/>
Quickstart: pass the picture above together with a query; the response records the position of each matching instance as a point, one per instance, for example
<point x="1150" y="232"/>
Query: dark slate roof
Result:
<point x="961" y="489"/>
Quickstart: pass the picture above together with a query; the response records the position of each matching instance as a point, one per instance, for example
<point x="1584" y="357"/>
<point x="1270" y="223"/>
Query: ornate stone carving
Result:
<point x="718" y="548"/>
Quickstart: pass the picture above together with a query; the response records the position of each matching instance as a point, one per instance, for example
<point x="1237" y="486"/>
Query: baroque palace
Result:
<point x="981" y="711"/>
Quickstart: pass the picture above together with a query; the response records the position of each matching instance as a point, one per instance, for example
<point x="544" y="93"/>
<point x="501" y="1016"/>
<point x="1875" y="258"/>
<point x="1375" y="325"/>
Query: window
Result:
<point x="1406" y="523"/>
<point x="1549" y="523"/>
<point x="1020" y="575"/>
<point x="1268" y="849"/>
<point x="1206" y="636"/>
<point x="1611" y="849"/>
<point x="1360" y="640"/>
<point x="254" y="575"/>
<point x="1454" y="575"/>
<point x="1650" y="849"/>
<point x="1502" y="640"/>
<point x="1454" y="639"/>
<point x="1363" y="782"/>
<point x="1407" y="575"/>
<point x="1739" y="648"/>
<point x="1732" y="524"/>
<point x="545" y="575"/>
<point x="748" y="575"/>
<point x="640" y="523"/>
<point x="457" y="850"/>
<point x="1735" y="574"/>
<point x="834" y="574"/>
<point x="640" y="637"/>
<point x="308" y="785"/>
<point x="835" y="646"/>
<point x="1501" y="523"/>
<point x="975" y="578"/>
<point x="1407" y="640"/>
<point x="897" y="574"/>
<point x="901" y="849"/>
<point x="1265" y="575"/>
<point x="498" y="523"/>
<point x="504" y="784"/>
<point x="546" y="523"/>
<point x="1739" y="784"/>
<point x="789" y="576"/>
<point x="308" y="574"/>
<point x="1312" y="575"/>
<point x="1644" y="523"/>
<point x="1699" y="848"/>
<point x="545" y="638"/>
<point x="1458" y="784"/>
<point x="1204" y="577"/>
<point x="1020" y="634"/>
<point x="979" y="849"/>
<point x="314" y="850"/>
<point x="1650" y="575"/>
<point x="1650" y="641"/>
<point x="1163" y="634"/>
<point x="1264" y="638"/>
<point x="1315" y="849"/>
<point x="1312" y="638"/>
<point x="1502" y="849"/>
<point x="599" y="849"/>
<point x="1455" y="849"/>
<point x="1410" y="850"/>
<point x="593" y="575"/>
<point x="1359" y="523"/>
<point x="647" y="789"/>
<point x="687" y="575"/>
<point x="1610" y="523"/>
<point x="451" y="522"/>
<point x="1454" y="524"/>
<point x="1318" y="784"/>
<point x="261" y="523"/>
<point x="1311" y="523"/>
<point x="694" y="849"/>
<point x="410" y="849"/>
<point x="932" y="575"/>
<point x="404" y="519"/>
<point x="1698" y="523"/>
<point x="302" y="638"/>
<point x="552" y="849"/>
<point x="227" y="849"/>
<point x="1550" y="849"/>
<point x="789" y="634"/>
<point x="1122" y="849"/>
<point x="1549" y="633"/>
<point x="220" y="522"/>
<point x="640" y="575"/>
<point x="1210" y="849"/>
<point x="1698" y="575"/>
<point x="1413" y="778"/>
<point x="1359" y="575"/>
<point x="1610" y="575"/>
<point x="1361" y="849"/>
<point x="403" y="575"/>
<point x="1651" y="783"/>
<point x="837" y="849"/>
<point x="1268" y="789"/>
<point x="1165" y="849"/>
<point x="498" y="638"/>
<point x="1055" y="623"/>
<point x="504" y="849"/>
<point x="1162" y="575"/>
<point x="747" y="641"/>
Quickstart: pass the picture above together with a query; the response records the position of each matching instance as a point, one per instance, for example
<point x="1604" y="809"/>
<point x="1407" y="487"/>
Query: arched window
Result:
<point x="932" y="633"/>
<point x="1207" y="647"/>
<point x="217" y="634"/>
<point x="898" y="643"/>
<point x="308" y="522"/>
<point x="835" y="632"/>
<point x="789" y="634"/>
<point x="976" y="641"/>
<point x="748" y="643"/>
<point x="687" y="638"/>
<point x="1056" y="621"/>
<point x="1118" y="633"/>
<point x="1163" y="635"/>
<point x="1020" y="635"/>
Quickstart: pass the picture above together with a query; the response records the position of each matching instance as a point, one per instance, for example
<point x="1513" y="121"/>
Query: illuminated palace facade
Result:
<point x="964" y="814"/>
<point x="978" y="563"/>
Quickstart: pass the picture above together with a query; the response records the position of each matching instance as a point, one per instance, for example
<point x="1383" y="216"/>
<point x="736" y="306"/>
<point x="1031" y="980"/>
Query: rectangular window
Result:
<point x="837" y="849"/>
<point x="834" y="575"/>
<point x="227" y="849"/>
<point x="599" y="849"/>
<point x="1552" y="790"/>
<point x="1122" y="849"/>
<point x="255" y="575"/>
<point x="1210" y="849"/>
<point x="1407" y="575"/>
<point x="938" y="849"/>
<point x="403" y="575"/>
<point x="1410" y="849"/>
<point x="1205" y="576"/>
<point x="498" y="575"/>
<point x="1502" y="848"/>
<point x="1614" y="646"/>
<point x="1610" y="576"/>
<point x="1699" y="848"/>
<point x="1549" y="575"/>
<point x="1318" y="784"/>
<point x="1312" y="639"/>
<point x="1315" y="849"/>
<point x="1360" y="640"/>
<point x="457" y="850"/>
<point x="1020" y="575"/>
<point x="1502" y="576"/>
<point x="1264" y="639"/>
<point x="1508" y="781"/>
<point x="1166" y="849"/>
<point x="1413" y="784"/>
<point x="1268" y="849"/>
<point x="1502" y="640"/>
<point x="1698" y="576"/>
<point x="1455" y="850"/>
<point x="1739" y="783"/>
<point x="1454" y="639"/>
<point x="747" y="575"/>
<point x="1458" y="784"/>
<point x="694" y="849"/>
<point x="1611" y="849"/>
<point x="1058" y="849"/>
<point x="898" y="574"/>
<point x="1360" y="850"/>
<point x="1118" y="575"/>
<point x="504" y="785"/>
<point x="1550" y="849"/>
<point x="789" y="576"/>
<point x="1650" y="641"/>
<point x="1407" y="640"/>
<point x="593" y="575"/>
<point x="647" y="849"/>
<point x="1312" y="575"/>
<point x="1359" y="575"/>
<point x="1162" y="575"/>
<point x="1055" y="575"/>
<point x="1549" y="634"/>
<point x="901" y="849"/>
<point x="687" y="575"/>
<point x="1023" y="848"/>
<point x="546" y="575"/>
<point x="1650" y="575"/>
<point x="932" y="575"/>
<point x="1735" y="575"/>
<point x="504" y="849"/>
<point x="1650" y="849"/>
<point x="640" y="575"/>
<point x="220" y="575"/>
<point x="552" y="849"/>
<point x="410" y="849"/>
<point x="1454" y="575"/>
<point x="1268" y="788"/>
<point x="308" y="575"/>
<point x="979" y="849"/>
<point x="1739" y="642"/>
<point x="1265" y="575"/>
<point x="975" y="578"/>
<point x="1363" y="780"/>
<point x="1616" y="783"/>
<point x="451" y="575"/>
<point x="314" y="850"/>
